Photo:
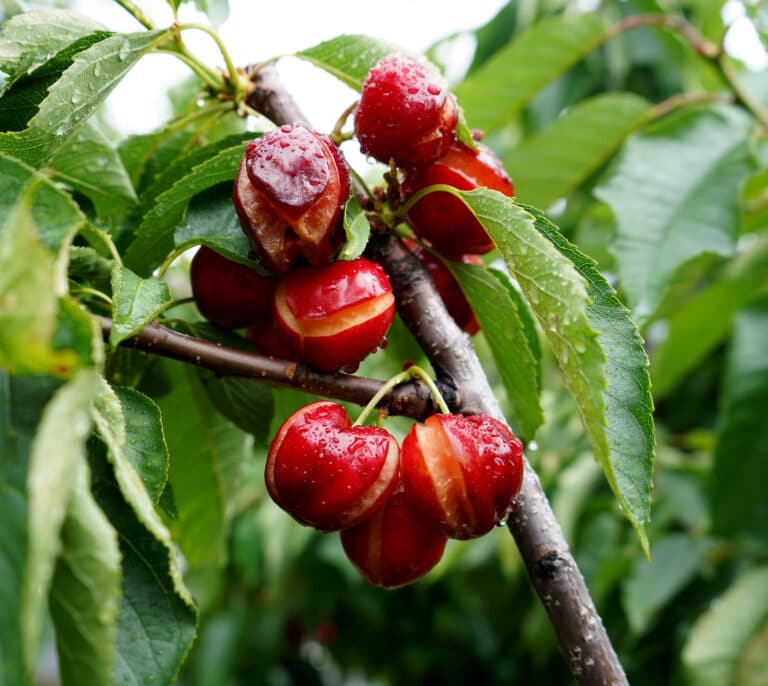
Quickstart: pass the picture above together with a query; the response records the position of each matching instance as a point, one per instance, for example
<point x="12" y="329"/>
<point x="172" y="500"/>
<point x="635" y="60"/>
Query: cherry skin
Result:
<point x="289" y="194"/>
<point x="326" y="473"/>
<point x="455" y="301"/>
<point x="334" y="316"/>
<point x="464" y="471"/>
<point x="395" y="545"/>
<point x="405" y="113"/>
<point x="442" y="218"/>
<point x="227" y="293"/>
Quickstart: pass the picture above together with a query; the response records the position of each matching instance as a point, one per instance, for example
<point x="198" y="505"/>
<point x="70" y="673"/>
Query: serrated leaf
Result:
<point x="28" y="297"/>
<point x="21" y="102"/>
<point x="596" y="344"/>
<point x="53" y="212"/>
<point x="30" y="39"/>
<point x="357" y="229"/>
<point x="741" y="454"/>
<point x="91" y="165"/>
<point x="691" y="332"/>
<point x="154" y="237"/>
<point x="76" y="95"/>
<point x="721" y="635"/>
<point x="651" y="586"/>
<point x="144" y="446"/>
<point x="57" y="452"/>
<point x="491" y="296"/>
<point x="675" y="194"/>
<point x="212" y="221"/>
<point x="551" y="163"/>
<point x="203" y="447"/>
<point x="494" y="93"/>
<point x="22" y="400"/>
<point x="136" y="302"/>
<point x="349" y="57"/>
<point x="157" y="619"/>
<point x="85" y="594"/>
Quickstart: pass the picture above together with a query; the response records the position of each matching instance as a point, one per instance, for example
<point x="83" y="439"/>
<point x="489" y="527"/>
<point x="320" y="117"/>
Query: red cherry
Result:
<point x="395" y="545"/>
<point x="455" y="301"/>
<point x="326" y="473"/>
<point x="289" y="193"/>
<point x="228" y="293"/>
<point x="442" y="218"/>
<point x="334" y="315"/>
<point x="405" y="113"/>
<point x="465" y="471"/>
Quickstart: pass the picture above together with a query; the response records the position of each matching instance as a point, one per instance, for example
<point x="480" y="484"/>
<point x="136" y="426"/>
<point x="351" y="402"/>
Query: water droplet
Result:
<point x="122" y="54"/>
<point x="97" y="70"/>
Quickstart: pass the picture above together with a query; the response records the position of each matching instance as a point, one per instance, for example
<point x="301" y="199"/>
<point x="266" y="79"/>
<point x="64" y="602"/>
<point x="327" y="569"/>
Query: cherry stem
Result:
<point x="414" y="371"/>
<point x="336" y="135"/>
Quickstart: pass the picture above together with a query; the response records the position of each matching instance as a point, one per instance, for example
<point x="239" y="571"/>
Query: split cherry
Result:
<point x="325" y="472"/>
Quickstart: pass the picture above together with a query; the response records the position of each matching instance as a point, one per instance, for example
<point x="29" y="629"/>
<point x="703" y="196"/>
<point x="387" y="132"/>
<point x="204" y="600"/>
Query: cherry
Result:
<point x="455" y="301"/>
<point x="396" y="544"/>
<point x="405" y="113"/>
<point x="335" y="315"/>
<point x="442" y="218"/>
<point x="465" y="471"/>
<point x="289" y="193"/>
<point x="326" y="473"/>
<point x="228" y="293"/>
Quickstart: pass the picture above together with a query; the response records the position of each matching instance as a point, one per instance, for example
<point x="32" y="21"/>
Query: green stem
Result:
<point x="362" y="184"/>
<point x="135" y="11"/>
<point x="96" y="294"/>
<point x="407" y="206"/>
<point x="742" y="95"/>
<point x="336" y="135"/>
<point x="176" y="303"/>
<point x="410" y="373"/>
<point x="169" y="261"/>
<point x="238" y="87"/>
<point x="211" y="78"/>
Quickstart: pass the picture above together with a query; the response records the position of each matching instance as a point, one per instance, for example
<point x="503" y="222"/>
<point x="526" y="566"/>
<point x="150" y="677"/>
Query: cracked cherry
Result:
<point x="325" y="472"/>
<point x="443" y="219"/>
<point x="455" y="301"/>
<point x="227" y="293"/>
<point x="334" y="316"/>
<point x="289" y="194"/>
<point x="405" y="113"/>
<point x="395" y="545"/>
<point x="464" y="471"/>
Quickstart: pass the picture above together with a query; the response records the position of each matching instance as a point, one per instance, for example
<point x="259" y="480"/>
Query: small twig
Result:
<point x="704" y="47"/>
<point x="135" y="11"/>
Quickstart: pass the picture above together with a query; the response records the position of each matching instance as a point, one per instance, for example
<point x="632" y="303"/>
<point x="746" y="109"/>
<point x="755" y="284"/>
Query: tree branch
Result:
<point x="547" y="556"/>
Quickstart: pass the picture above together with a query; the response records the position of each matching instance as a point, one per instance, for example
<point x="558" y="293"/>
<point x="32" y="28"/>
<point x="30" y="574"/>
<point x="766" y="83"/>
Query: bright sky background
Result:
<point x="257" y="30"/>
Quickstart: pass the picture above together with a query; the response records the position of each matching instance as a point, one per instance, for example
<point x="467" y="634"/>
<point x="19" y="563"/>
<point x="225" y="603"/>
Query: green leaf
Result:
<point x="650" y="587"/>
<point x="29" y="40"/>
<point x="202" y="445"/>
<point x="28" y="304"/>
<point x="248" y="404"/>
<point x="76" y="95"/>
<point x="136" y="302"/>
<point x="675" y="193"/>
<point x="740" y="465"/>
<point x="212" y="221"/>
<point x="357" y="229"/>
<point x="53" y="212"/>
<point x="692" y="332"/>
<point x="21" y="102"/>
<point x="157" y="619"/>
<point x="494" y="93"/>
<point x="57" y="454"/>
<point x="497" y="309"/>
<point x="754" y="202"/>
<point x="722" y="634"/>
<point x="349" y="57"/>
<point x="90" y="164"/>
<point x="144" y="446"/>
<point x="154" y="237"/>
<point x="592" y="337"/>
<point x="551" y="163"/>
<point x="85" y="594"/>
<point x="22" y="400"/>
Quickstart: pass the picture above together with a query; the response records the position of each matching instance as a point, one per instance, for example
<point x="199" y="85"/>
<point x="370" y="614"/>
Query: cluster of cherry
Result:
<point x="455" y="476"/>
